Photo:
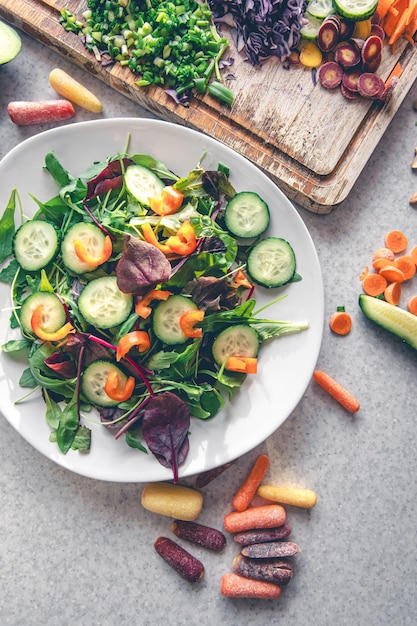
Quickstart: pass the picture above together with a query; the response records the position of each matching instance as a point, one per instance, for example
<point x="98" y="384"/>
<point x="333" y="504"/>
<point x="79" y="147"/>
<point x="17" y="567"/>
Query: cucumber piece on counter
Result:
<point x="390" y="317"/>
<point x="10" y="43"/>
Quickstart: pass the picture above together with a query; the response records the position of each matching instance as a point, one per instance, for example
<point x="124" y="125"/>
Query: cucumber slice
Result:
<point x="102" y="304"/>
<point x="166" y="319"/>
<point x="53" y="314"/>
<point x="271" y="262"/>
<point x="311" y="29"/>
<point x="10" y="43"/>
<point x="392" y="318"/>
<point x="320" y="8"/>
<point x="239" y="340"/>
<point x="92" y="238"/>
<point x="246" y="215"/>
<point x="35" y="244"/>
<point x="142" y="183"/>
<point x="93" y="380"/>
<point x="356" y="10"/>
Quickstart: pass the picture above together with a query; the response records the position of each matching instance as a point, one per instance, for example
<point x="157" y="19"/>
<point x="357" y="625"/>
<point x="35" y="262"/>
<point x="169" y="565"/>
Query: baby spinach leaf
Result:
<point x="7" y="228"/>
<point x="68" y="425"/>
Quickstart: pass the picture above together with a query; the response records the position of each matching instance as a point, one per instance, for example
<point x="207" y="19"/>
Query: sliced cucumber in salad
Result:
<point x="240" y="340"/>
<point x="166" y="319"/>
<point x="94" y="379"/>
<point x="102" y="304"/>
<point x="35" y="244"/>
<point x="93" y="240"/>
<point x="142" y="183"/>
<point x="271" y="262"/>
<point x="53" y="312"/>
<point x="246" y="215"/>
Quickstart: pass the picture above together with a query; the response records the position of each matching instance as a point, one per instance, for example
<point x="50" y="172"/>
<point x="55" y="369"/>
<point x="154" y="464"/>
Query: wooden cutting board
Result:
<point x="312" y="142"/>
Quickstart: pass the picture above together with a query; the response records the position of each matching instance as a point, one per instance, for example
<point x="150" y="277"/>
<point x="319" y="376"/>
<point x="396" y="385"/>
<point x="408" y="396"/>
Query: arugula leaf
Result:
<point x="16" y="345"/>
<point x="68" y="425"/>
<point x="153" y="164"/>
<point x="7" y="228"/>
<point x="82" y="440"/>
<point x="133" y="439"/>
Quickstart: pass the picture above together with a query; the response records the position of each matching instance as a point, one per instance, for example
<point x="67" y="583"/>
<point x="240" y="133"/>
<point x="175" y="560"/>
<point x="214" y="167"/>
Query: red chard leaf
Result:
<point x="141" y="266"/>
<point x="109" y="178"/>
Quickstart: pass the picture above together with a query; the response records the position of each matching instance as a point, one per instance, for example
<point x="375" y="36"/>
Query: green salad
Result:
<point x="133" y="289"/>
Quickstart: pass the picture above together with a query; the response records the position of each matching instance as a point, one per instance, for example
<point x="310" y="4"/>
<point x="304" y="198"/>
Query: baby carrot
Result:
<point x="396" y="241"/>
<point x="39" y="112"/>
<point x="247" y="490"/>
<point x="236" y="586"/>
<point x="340" y="322"/>
<point x="374" y="284"/>
<point x="406" y="264"/>
<point x="293" y="496"/>
<point x="412" y="305"/>
<point x="71" y="89"/>
<point x="267" y="516"/>
<point x="339" y="393"/>
<point x="413" y="254"/>
<point x="392" y="293"/>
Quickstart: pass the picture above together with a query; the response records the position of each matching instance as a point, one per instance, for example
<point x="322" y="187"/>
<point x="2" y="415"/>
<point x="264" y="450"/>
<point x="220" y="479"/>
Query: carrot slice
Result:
<point x="378" y="264"/>
<point x="383" y="253"/>
<point x="392" y="293"/>
<point x="340" y="322"/>
<point x="247" y="490"/>
<point x="392" y="274"/>
<point x="374" y="284"/>
<point x="406" y="264"/>
<point x="412" y="305"/>
<point x="396" y="241"/>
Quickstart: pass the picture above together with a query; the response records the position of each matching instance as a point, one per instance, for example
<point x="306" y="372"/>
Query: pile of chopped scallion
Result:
<point x="170" y="43"/>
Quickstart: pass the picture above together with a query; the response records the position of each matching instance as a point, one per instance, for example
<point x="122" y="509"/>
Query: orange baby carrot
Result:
<point x="335" y="389"/>
<point x="236" y="586"/>
<point x="413" y="254"/>
<point x="247" y="490"/>
<point x="392" y="274"/>
<point x="267" y="516"/>
<point x="396" y="241"/>
<point x="374" y="284"/>
<point x="340" y="322"/>
<point x="406" y="264"/>
<point x="392" y="293"/>
<point x="412" y="305"/>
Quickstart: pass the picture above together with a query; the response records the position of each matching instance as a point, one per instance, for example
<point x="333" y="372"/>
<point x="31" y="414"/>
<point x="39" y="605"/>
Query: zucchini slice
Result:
<point x="271" y="262"/>
<point x="142" y="183"/>
<point x="166" y="319"/>
<point x="92" y="238"/>
<point x="35" y="244"/>
<point x="102" y="304"/>
<point x="240" y="340"/>
<point x="247" y="215"/>
<point x="53" y="314"/>
<point x="390" y="317"/>
<point x="93" y="380"/>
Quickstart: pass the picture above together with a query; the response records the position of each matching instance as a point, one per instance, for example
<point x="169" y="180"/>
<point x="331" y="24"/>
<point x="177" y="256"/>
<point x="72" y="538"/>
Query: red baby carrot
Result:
<point x="339" y="393"/>
<point x="247" y="490"/>
<point x="235" y="586"/>
<point x="39" y="112"/>
<point x="266" y="516"/>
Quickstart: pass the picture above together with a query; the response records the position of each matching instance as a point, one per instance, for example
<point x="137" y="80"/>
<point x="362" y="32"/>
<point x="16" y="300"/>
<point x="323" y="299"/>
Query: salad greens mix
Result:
<point x="134" y="299"/>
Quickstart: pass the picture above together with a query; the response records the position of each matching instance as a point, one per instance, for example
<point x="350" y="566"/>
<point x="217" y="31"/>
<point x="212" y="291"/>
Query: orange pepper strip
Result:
<point x="241" y="280"/>
<point x="114" y="388"/>
<point x="36" y="323"/>
<point x="142" y="307"/>
<point x="187" y="322"/>
<point x="169" y="202"/>
<point x="184" y="242"/>
<point x="138" y="338"/>
<point x="151" y="238"/>
<point x="244" y="364"/>
<point x="83" y="255"/>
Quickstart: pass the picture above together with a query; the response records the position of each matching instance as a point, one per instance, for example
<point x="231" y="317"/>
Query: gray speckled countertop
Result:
<point x="76" y="551"/>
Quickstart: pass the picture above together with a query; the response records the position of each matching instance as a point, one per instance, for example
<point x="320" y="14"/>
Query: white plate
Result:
<point x="286" y="364"/>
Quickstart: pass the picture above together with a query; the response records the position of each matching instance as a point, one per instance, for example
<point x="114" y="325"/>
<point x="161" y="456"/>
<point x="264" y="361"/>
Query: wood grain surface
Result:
<point x="312" y="142"/>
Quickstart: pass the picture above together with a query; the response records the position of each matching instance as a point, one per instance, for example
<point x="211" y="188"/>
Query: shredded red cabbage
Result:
<point x="262" y="28"/>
